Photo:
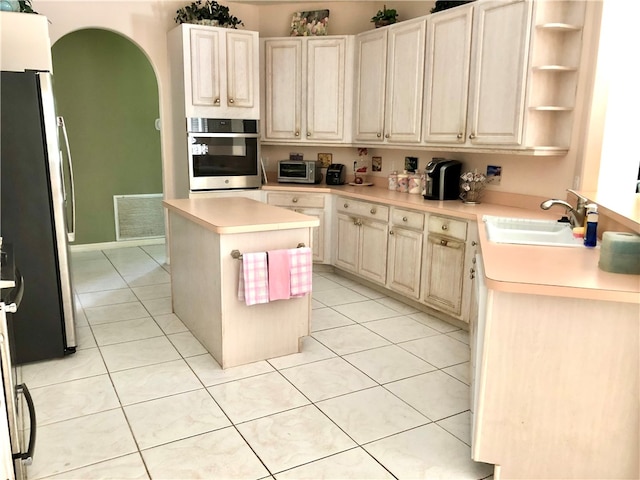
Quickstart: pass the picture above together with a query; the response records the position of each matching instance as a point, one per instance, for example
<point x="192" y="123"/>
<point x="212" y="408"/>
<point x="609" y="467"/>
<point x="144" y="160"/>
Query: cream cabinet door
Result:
<point x="405" y="81"/>
<point x="325" y="87"/>
<point x="206" y="64"/>
<point x="373" y="250"/>
<point x="370" y="85"/>
<point x="447" y="76"/>
<point x="443" y="273"/>
<point x="498" y="72"/>
<point x="404" y="261"/>
<point x="317" y="232"/>
<point x="283" y="89"/>
<point x="242" y="69"/>
<point x="348" y="242"/>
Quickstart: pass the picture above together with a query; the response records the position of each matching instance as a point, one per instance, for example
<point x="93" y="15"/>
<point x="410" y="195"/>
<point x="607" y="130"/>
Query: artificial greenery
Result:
<point x="208" y="10"/>
<point x="447" y="4"/>
<point x="25" y="6"/>
<point x="385" y="16"/>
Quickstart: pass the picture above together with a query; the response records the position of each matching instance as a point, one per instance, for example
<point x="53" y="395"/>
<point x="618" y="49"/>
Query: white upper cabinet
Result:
<point x="217" y="70"/>
<point x="503" y="76"/>
<point x="499" y="55"/>
<point x="389" y="83"/>
<point x="305" y="94"/>
<point x="447" y="76"/>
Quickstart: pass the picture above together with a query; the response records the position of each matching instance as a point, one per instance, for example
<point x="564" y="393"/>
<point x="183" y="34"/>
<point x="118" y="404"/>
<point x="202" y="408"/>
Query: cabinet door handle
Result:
<point x="472" y="136"/>
<point x="387" y="136"/>
<point x="445" y="227"/>
<point x="404" y="219"/>
<point x="297" y="134"/>
<point x="217" y="101"/>
<point x="308" y="134"/>
<point x="391" y="232"/>
<point x="294" y="199"/>
<point x="346" y="205"/>
<point x="373" y="211"/>
<point x="378" y="134"/>
<point x="474" y="243"/>
<point x="444" y="243"/>
<point x="459" y="136"/>
<point x="231" y="100"/>
<point x="472" y="273"/>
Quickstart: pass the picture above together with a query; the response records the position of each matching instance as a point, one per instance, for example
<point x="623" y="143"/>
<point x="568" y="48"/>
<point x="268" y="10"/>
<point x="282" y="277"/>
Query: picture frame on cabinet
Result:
<point x="308" y="24"/>
<point x="325" y="159"/>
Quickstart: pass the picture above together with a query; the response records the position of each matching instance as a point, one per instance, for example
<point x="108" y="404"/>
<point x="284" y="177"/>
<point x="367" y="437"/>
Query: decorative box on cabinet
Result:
<point x="406" y="236"/>
<point x="215" y="71"/>
<point x="518" y="61"/>
<point x="389" y="83"/>
<point x="308" y="204"/>
<point x="307" y="93"/>
<point x="362" y="231"/>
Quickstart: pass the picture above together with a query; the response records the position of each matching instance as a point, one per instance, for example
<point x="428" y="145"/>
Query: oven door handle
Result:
<point x="27" y="457"/>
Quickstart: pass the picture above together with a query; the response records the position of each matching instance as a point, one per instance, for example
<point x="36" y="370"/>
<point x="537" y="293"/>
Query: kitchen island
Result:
<point x="204" y="276"/>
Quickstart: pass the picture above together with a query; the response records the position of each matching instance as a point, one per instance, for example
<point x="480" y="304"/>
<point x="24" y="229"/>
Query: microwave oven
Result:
<point x="299" y="171"/>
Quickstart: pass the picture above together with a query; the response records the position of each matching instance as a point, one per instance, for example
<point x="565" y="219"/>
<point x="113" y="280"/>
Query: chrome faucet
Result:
<point x="576" y="215"/>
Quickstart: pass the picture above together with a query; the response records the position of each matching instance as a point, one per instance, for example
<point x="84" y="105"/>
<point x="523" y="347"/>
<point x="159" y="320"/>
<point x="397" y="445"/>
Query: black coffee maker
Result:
<point x="442" y="178"/>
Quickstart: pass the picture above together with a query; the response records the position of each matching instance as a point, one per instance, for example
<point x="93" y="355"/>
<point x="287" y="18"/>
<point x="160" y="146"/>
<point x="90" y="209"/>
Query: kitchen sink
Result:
<point x="524" y="231"/>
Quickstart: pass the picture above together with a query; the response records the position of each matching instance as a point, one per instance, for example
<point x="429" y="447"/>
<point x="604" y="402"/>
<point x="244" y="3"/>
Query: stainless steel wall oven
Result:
<point x="223" y="154"/>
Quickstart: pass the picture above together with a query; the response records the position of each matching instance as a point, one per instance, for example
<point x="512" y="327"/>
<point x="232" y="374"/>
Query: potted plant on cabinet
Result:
<point x="208" y="13"/>
<point x="385" y="17"/>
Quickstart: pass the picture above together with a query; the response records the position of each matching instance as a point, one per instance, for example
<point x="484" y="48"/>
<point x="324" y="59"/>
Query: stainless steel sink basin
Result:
<point x="524" y="231"/>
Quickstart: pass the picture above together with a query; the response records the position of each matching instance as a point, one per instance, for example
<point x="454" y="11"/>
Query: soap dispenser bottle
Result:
<point x="591" y="232"/>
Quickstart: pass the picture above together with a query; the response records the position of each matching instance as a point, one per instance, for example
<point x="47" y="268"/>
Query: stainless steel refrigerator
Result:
<point x="36" y="182"/>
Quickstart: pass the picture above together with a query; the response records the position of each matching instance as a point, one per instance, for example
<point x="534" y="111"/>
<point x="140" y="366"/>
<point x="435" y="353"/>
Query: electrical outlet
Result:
<point x="494" y="174"/>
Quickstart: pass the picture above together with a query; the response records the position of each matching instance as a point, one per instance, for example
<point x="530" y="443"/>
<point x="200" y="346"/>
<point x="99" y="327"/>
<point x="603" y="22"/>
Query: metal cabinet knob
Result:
<point x="474" y="243"/>
<point x="472" y="273"/>
<point x="459" y="136"/>
<point x="294" y="199"/>
<point x="373" y="211"/>
<point x="297" y="134"/>
<point x="444" y="243"/>
<point x="217" y="101"/>
<point x="445" y="227"/>
<point x="391" y="232"/>
<point x="472" y="136"/>
<point x="231" y="100"/>
<point x="404" y="219"/>
<point x="308" y="134"/>
<point x="346" y="205"/>
<point x="387" y="136"/>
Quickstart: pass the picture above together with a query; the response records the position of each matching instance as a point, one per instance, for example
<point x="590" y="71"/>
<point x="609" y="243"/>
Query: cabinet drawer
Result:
<point x="296" y="200"/>
<point x="448" y="226"/>
<point x="407" y="218"/>
<point x="363" y="209"/>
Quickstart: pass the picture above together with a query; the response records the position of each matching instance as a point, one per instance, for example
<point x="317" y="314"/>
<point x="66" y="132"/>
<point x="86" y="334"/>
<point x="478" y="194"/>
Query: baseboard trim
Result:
<point x="87" y="247"/>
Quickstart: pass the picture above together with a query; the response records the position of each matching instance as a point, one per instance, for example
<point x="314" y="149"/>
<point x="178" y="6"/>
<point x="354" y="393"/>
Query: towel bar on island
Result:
<point x="238" y="256"/>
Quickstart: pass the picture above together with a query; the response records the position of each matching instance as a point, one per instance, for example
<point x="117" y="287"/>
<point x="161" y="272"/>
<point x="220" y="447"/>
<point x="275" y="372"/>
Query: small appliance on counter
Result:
<point x="336" y="174"/>
<point x="299" y="171"/>
<point x="442" y="179"/>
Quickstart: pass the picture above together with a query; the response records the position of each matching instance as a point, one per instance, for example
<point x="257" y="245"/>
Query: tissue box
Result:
<point x="620" y="253"/>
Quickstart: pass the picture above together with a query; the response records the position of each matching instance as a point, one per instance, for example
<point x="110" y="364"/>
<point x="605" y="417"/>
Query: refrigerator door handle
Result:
<point x="71" y="234"/>
<point x="27" y="457"/>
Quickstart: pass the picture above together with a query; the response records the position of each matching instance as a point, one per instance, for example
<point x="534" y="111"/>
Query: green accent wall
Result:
<point x="106" y="90"/>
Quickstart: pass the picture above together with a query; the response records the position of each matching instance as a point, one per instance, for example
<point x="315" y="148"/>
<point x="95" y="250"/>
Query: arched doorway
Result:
<point x="107" y="91"/>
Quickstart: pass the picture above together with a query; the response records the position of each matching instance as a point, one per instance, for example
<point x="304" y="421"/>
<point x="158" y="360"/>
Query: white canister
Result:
<point x="393" y="181"/>
<point x="403" y="183"/>
<point x="415" y="184"/>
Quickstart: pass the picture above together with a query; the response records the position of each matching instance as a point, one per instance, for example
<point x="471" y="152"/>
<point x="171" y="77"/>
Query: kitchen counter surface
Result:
<point x="538" y="270"/>
<point x="238" y="215"/>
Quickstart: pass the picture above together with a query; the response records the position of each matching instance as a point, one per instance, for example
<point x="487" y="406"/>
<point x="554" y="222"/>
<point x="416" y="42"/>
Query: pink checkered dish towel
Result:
<point x="301" y="266"/>
<point x="253" y="286"/>
<point x="279" y="275"/>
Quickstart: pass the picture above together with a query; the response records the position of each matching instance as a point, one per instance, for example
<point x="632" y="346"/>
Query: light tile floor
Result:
<point x="380" y="390"/>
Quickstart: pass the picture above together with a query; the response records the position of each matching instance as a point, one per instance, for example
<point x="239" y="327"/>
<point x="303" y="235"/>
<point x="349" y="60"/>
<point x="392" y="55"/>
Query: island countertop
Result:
<point x="238" y="215"/>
